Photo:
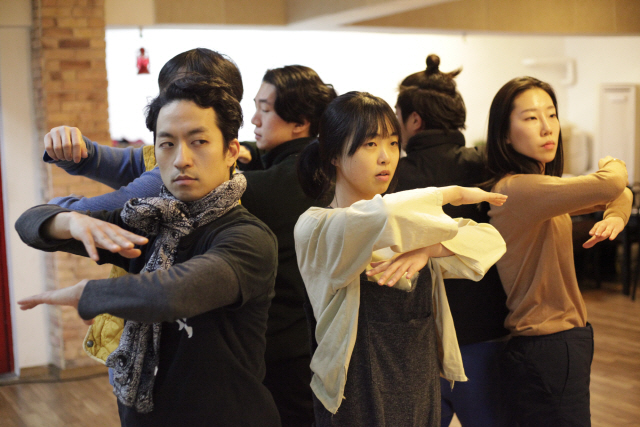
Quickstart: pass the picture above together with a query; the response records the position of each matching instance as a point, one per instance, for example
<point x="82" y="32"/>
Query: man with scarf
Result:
<point x="192" y="352"/>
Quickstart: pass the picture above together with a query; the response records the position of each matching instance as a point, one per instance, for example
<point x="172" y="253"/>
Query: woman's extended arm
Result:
<point x="456" y="195"/>
<point x="334" y="246"/>
<point x="534" y="198"/>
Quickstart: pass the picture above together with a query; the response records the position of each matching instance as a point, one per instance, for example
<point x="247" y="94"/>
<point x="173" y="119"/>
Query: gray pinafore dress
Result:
<point x="393" y="376"/>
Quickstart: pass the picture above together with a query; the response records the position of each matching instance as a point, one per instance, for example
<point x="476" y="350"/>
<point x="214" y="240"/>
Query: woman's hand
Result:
<point x="65" y="143"/>
<point x="68" y="296"/>
<point x="607" y="228"/>
<point x="456" y="195"/>
<point x="408" y="262"/>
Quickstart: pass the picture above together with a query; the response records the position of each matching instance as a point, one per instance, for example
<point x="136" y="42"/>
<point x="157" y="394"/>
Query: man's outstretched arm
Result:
<point x="237" y="267"/>
<point x="68" y="149"/>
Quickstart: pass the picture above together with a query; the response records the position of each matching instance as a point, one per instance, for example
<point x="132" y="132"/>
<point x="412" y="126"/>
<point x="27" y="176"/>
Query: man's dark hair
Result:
<point x="206" y="93"/>
<point x="300" y="95"/>
<point x="433" y="95"/>
<point x="205" y="62"/>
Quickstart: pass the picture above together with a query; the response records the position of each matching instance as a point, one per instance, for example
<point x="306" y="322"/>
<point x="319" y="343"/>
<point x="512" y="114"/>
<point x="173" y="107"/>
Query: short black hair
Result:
<point x="433" y="95"/>
<point x="300" y="94"/>
<point x="206" y="93"/>
<point x="205" y="62"/>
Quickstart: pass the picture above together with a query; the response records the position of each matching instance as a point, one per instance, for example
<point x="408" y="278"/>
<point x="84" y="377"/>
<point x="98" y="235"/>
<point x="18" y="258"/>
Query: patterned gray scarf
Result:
<point x="135" y="361"/>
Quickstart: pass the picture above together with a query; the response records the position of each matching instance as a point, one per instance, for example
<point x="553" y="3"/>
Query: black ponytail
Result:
<point x="314" y="179"/>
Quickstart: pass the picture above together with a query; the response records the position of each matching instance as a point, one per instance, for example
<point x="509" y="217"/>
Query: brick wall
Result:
<point x="70" y="86"/>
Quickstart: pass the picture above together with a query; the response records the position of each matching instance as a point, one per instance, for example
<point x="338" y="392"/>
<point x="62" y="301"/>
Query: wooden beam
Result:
<point x="310" y="14"/>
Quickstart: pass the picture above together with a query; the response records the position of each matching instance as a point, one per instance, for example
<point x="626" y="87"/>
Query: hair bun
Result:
<point x="433" y="63"/>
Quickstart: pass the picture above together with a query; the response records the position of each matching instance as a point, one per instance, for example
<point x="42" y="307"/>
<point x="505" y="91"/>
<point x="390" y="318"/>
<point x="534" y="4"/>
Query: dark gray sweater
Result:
<point x="213" y="303"/>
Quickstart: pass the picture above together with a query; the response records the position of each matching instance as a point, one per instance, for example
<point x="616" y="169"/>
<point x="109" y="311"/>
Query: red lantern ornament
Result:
<point x="143" y="62"/>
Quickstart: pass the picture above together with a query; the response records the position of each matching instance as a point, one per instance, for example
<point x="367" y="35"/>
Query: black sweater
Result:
<point x="274" y="195"/>
<point x="213" y="305"/>
<point x="438" y="159"/>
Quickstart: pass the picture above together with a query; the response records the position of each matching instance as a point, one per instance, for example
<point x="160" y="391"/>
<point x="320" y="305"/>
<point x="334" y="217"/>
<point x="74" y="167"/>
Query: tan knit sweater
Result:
<point x="538" y="272"/>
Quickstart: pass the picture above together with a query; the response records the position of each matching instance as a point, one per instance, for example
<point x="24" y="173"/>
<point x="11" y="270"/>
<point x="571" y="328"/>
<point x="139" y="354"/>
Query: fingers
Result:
<point x="65" y="143"/>
<point x="392" y="274"/>
<point x="599" y="232"/>
<point x="49" y="145"/>
<point x="35" y="300"/>
<point x="90" y="246"/>
<point x="378" y="267"/>
<point x="496" y="199"/>
<point x="116" y="239"/>
<point x="131" y="253"/>
<point x="245" y="155"/>
<point x="94" y="234"/>
<point x="592" y="241"/>
<point x="607" y="228"/>
<point x="404" y="264"/>
<point x="614" y="234"/>
<point x="30" y="302"/>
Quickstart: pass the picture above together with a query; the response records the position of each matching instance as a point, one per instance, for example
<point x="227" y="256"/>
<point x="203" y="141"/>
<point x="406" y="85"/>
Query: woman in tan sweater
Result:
<point x="548" y="359"/>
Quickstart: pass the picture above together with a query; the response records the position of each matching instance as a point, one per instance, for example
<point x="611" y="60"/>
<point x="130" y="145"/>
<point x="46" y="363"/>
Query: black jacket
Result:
<point x="274" y="195"/>
<point x="438" y="159"/>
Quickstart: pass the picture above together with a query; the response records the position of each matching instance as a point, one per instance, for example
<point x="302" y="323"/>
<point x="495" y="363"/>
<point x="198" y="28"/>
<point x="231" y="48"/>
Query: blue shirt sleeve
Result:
<point x="147" y="185"/>
<point x="111" y="166"/>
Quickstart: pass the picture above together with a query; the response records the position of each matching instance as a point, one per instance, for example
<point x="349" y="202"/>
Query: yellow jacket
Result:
<point x="103" y="336"/>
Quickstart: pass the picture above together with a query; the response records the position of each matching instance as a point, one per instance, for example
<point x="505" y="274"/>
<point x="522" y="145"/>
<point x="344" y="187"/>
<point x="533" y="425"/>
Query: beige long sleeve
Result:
<point x="538" y="271"/>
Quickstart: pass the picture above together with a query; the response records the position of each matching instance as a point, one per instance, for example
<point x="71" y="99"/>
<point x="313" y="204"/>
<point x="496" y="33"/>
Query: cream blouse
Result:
<point x="334" y="246"/>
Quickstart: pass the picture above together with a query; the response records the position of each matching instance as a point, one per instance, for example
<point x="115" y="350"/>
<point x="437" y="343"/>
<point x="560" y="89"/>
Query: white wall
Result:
<point x="601" y="60"/>
<point x="21" y="189"/>
<point x="366" y="61"/>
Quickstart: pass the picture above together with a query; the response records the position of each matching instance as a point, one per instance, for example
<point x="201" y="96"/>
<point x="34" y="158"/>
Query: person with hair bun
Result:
<point x="547" y="362"/>
<point x="383" y="336"/>
<point x="432" y="115"/>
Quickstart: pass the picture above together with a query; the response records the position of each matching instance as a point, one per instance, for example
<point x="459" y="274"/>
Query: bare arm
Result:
<point x="408" y="262"/>
<point x="457" y="195"/>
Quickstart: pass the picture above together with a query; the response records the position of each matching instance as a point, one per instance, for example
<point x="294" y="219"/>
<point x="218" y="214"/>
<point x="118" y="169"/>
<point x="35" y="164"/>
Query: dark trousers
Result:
<point x="476" y="402"/>
<point x="546" y="379"/>
<point x="289" y="382"/>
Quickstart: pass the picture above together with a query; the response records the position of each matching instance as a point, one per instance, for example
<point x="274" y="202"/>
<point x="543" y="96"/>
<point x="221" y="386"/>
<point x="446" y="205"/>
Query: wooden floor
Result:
<point x="615" y="378"/>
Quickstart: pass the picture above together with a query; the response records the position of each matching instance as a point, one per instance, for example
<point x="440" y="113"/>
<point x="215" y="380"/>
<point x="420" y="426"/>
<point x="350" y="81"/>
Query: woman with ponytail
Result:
<point x="382" y="337"/>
